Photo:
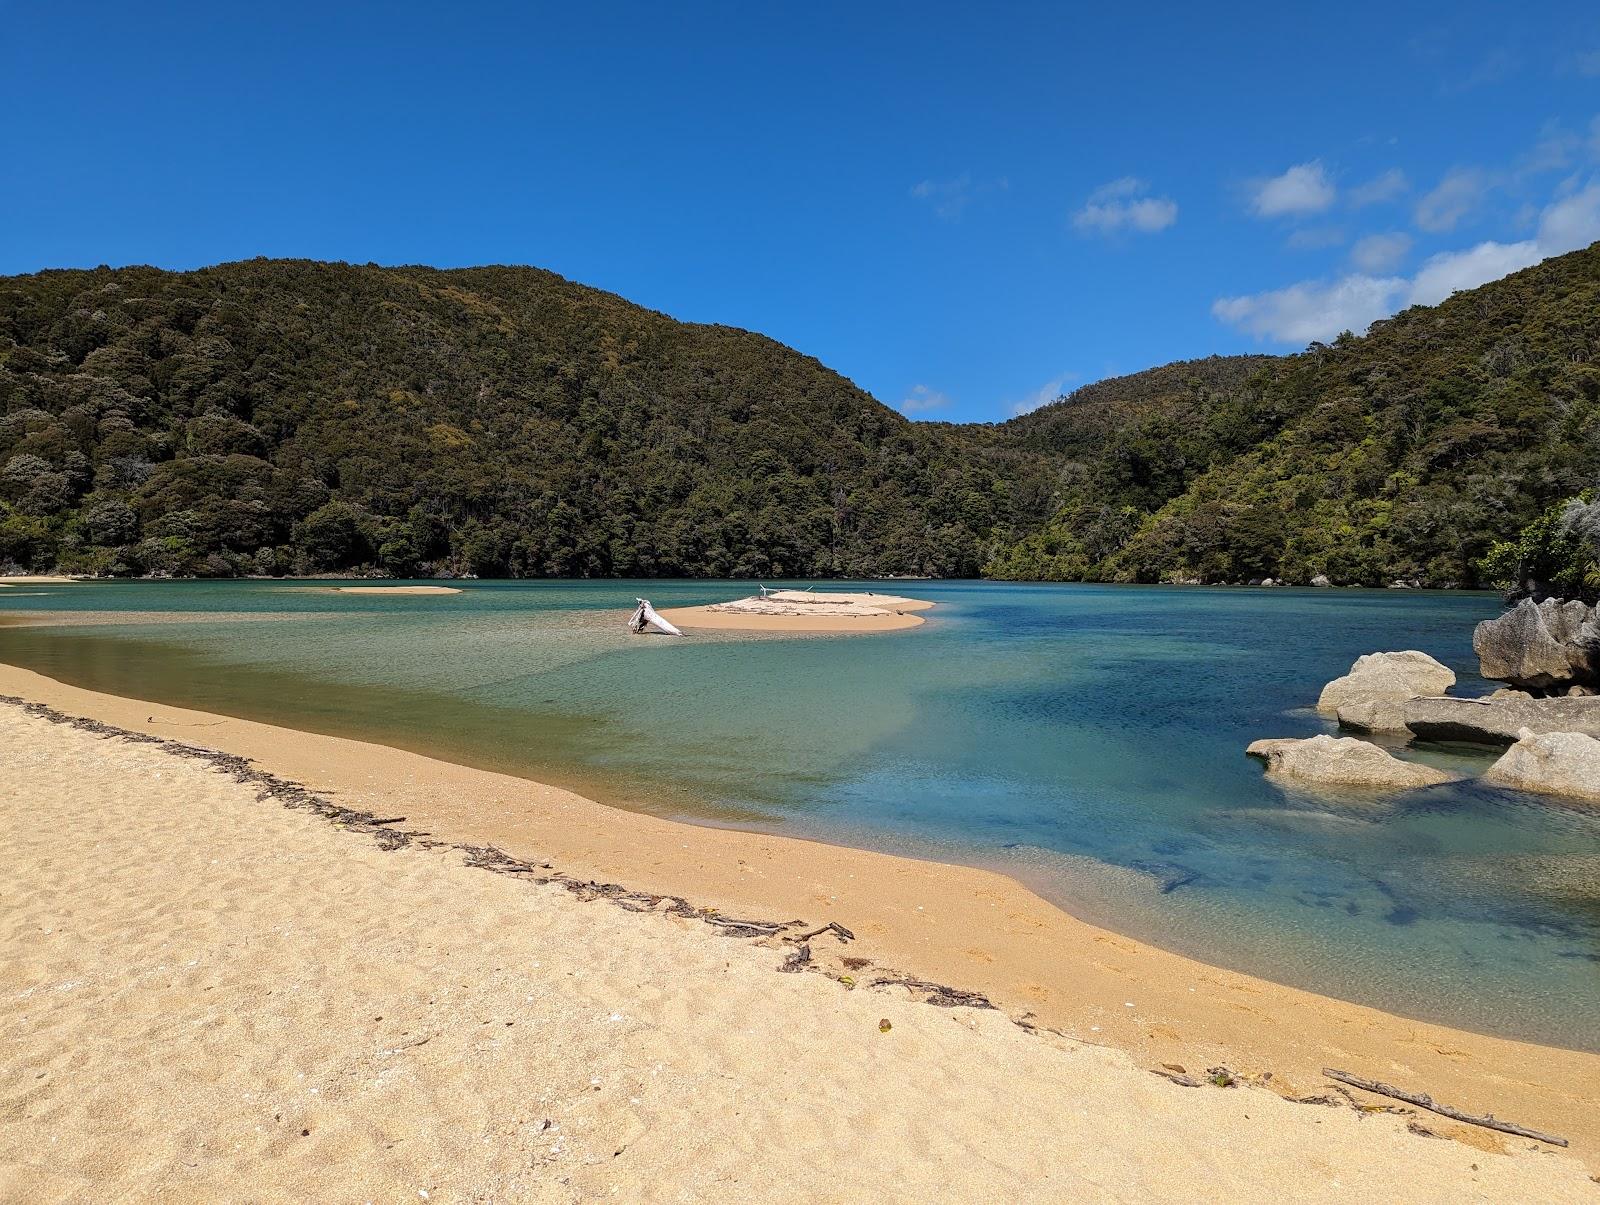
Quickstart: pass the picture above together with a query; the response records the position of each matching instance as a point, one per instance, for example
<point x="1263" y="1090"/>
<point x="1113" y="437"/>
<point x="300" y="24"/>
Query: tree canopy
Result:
<point x="285" y="416"/>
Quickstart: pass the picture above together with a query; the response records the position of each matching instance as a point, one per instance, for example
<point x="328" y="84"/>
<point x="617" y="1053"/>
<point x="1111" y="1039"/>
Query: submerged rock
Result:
<point x="1545" y="647"/>
<point x="1372" y="696"/>
<point x="1551" y="763"/>
<point x="1343" y="761"/>
<point x="1498" y="718"/>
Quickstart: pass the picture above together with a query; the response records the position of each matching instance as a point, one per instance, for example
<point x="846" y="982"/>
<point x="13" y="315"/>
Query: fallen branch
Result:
<point x="832" y="926"/>
<point x="1423" y="1101"/>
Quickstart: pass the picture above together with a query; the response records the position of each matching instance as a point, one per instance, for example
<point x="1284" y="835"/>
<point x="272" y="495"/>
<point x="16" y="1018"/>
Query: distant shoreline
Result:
<point x="973" y="930"/>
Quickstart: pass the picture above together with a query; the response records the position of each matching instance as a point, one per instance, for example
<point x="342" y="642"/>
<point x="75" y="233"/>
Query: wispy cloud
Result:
<point x="949" y="198"/>
<point x="1321" y="309"/>
<point x="1050" y="391"/>
<point x="1379" y="253"/>
<point x="1587" y="62"/>
<point x="1316" y="238"/>
<point x="1494" y="67"/>
<point x="922" y="400"/>
<point x="1458" y="194"/>
<point x="1302" y="189"/>
<point x="1124" y="204"/>
<point x="1385" y="186"/>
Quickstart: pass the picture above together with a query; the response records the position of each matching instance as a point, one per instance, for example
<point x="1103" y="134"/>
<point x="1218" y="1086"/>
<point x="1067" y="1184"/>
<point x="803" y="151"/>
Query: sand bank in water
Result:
<point x="805" y="611"/>
<point x="40" y="579"/>
<point x="209" y="996"/>
<point x="397" y="590"/>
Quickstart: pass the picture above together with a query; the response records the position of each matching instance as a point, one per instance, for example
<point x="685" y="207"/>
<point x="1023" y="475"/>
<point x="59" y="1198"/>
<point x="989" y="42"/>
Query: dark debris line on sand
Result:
<point x="488" y="857"/>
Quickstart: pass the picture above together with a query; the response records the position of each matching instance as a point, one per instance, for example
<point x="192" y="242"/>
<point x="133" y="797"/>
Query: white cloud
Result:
<point x="1304" y="188"/>
<point x="950" y="197"/>
<point x="1451" y="271"/>
<point x="922" y="399"/>
<point x="1121" y="205"/>
<point x="1122" y="186"/>
<point x="1320" y="309"/>
<point x="1453" y="198"/>
<point x="1044" y="395"/>
<point x="1312" y="309"/>
<point x="1571" y="222"/>
<point x="1383" y="187"/>
<point x="1380" y="252"/>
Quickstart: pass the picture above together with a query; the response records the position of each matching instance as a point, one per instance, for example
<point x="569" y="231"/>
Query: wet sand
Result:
<point x="970" y="929"/>
<point x="211" y="996"/>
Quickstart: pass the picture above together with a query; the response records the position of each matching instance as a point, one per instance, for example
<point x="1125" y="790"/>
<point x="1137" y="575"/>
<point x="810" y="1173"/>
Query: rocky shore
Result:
<point x="1548" y="654"/>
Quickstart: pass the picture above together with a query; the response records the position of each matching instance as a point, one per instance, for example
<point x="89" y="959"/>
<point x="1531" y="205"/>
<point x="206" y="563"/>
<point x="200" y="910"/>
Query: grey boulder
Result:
<point x="1500" y="717"/>
<point x="1372" y="695"/>
<point x="1544" y="647"/>
<point x="1551" y="763"/>
<point x="1343" y="762"/>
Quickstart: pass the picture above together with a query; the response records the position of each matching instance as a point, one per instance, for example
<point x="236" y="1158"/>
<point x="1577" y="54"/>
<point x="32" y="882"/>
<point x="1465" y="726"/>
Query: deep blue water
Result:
<point x="1089" y="739"/>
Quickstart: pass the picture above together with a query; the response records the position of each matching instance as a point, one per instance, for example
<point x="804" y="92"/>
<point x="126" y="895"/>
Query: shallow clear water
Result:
<point x="1088" y="739"/>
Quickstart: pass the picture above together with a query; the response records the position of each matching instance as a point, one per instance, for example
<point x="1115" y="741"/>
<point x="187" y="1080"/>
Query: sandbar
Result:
<point x="397" y="589"/>
<point x="805" y="611"/>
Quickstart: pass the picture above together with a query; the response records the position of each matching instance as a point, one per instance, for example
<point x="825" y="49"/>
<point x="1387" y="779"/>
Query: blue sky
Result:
<point x="964" y="208"/>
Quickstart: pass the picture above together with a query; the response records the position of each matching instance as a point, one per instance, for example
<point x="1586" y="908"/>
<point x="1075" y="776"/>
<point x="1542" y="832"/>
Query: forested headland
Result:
<point x="278" y="417"/>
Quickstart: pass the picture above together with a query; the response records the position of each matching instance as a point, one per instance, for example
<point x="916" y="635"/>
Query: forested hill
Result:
<point x="298" y="417"/>
<point x="1399" y="456"/>
<point x="288" y="416"/>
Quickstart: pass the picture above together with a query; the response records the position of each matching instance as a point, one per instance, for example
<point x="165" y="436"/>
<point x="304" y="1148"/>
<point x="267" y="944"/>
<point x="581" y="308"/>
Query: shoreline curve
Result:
<point x="972" y="929"/>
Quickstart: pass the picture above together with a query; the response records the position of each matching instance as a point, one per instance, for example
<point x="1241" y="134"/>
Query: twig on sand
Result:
<point x="1423" y="1101"/>
<point x="832" y="926"/>
<point x="935" y="993"/>
<point x="1183" y="1081"/>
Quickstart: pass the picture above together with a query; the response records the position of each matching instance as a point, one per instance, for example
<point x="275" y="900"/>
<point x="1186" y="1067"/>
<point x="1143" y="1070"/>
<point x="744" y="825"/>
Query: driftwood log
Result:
<point x="1423" y="1101"/>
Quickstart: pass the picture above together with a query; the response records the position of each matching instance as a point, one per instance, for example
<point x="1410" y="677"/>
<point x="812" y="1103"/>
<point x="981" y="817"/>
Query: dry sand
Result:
<point x="805" y="611"/>
<point x="211" y="997"/>
<point x="397" y="590"/>
<point x="39" y="579"/>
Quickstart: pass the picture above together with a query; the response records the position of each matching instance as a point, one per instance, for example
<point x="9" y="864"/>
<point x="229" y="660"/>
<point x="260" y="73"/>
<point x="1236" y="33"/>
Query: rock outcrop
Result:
<point x="1545" y="647"/>
<point x="1498" y="718"/>
<point x="1551" y="763"/>
<point x="1344" y="762"/>
<point x="1372" y="696"/>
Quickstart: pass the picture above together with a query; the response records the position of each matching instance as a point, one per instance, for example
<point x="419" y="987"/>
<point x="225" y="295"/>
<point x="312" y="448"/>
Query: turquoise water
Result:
<point x="1088" y="739"/>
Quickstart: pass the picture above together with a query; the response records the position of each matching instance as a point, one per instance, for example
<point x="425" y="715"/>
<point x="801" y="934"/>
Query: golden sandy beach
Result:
<point x="214" y="996"/>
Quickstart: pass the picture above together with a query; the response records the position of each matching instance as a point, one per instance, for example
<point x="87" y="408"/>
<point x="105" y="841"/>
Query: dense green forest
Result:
<point x="296" y="417"/>
<point x="1404" y="455"/>
<point x="273" y="416"/>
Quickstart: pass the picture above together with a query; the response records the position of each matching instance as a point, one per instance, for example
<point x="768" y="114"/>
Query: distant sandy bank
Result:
<point x="972" y="929"/>
<point x="397" y="590"/>
<point x="805" y="611"/>
<point x="211" y="994"/>
<point x="40" y="579"/>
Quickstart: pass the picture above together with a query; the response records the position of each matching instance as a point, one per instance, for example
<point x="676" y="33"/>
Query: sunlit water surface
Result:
<point x="1088" y="739"/>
